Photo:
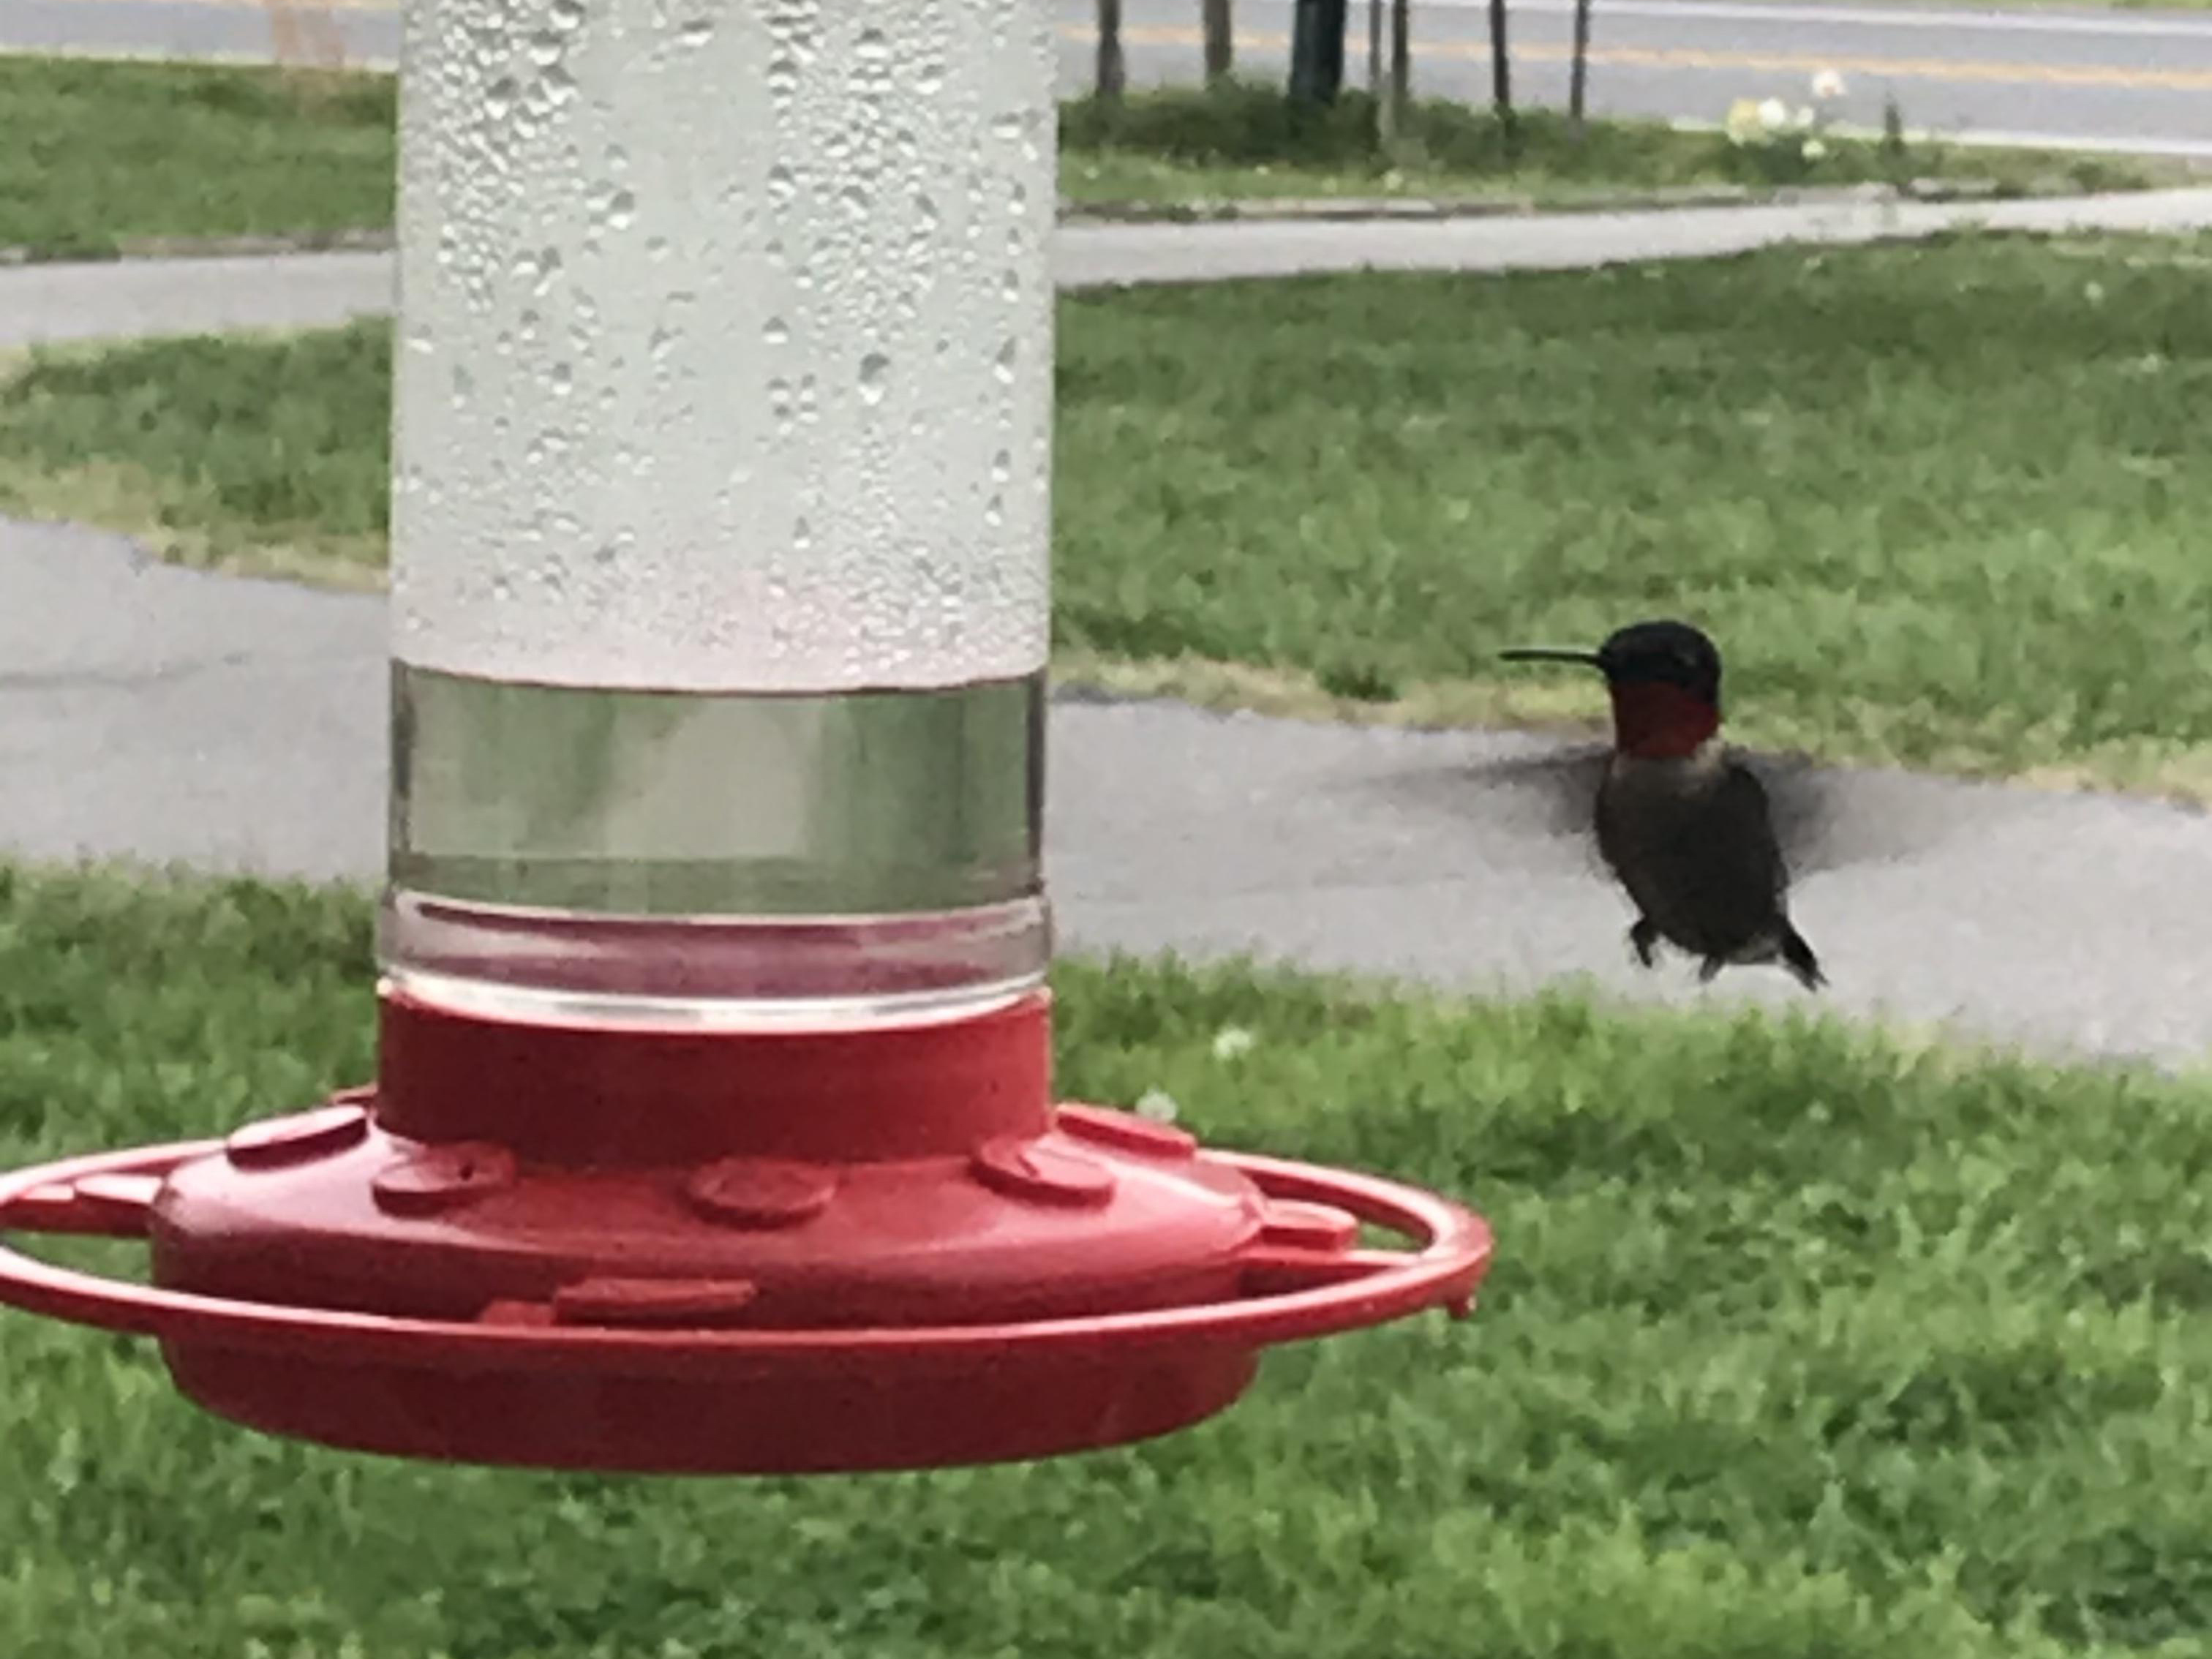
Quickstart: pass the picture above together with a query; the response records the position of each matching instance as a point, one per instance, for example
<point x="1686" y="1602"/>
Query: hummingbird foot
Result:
<point x="1797" y="957"/>
<point x="1643" y="939"/>
<point x="1709" y="968"/>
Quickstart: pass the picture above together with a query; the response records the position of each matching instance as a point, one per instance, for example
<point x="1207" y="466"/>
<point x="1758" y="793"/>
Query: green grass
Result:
<point x="1243" y="140"/>
<point x="100" y="157"/>
<point x="1799" y="1342"/>
<point x="94" y="155"/>
<point x="278" y="443"/>
<point x="1941" y="504"/>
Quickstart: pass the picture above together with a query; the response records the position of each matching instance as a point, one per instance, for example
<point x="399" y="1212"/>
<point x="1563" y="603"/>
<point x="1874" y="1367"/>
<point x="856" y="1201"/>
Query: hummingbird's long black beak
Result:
<point x="1549" y="654"/>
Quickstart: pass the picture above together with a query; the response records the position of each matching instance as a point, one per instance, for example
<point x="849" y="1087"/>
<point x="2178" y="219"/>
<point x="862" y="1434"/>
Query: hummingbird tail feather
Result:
<point x="1798" y="957"/>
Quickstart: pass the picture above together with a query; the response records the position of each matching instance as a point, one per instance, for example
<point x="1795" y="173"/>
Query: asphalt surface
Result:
<point x="151" y="713"/>
<point x="2124" y="79"/>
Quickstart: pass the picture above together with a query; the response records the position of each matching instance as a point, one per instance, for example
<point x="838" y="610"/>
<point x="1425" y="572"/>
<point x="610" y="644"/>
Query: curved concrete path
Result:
<point x="152" y="712"/>
<point x="49" y="304"/>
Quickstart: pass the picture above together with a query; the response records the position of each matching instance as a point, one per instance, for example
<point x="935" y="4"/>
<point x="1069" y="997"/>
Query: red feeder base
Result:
<point x="657" y="1252"/>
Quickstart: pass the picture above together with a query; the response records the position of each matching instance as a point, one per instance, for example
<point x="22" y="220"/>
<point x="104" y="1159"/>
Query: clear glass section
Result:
<point x="725" y="346"/>
<point x="732" y="860"/>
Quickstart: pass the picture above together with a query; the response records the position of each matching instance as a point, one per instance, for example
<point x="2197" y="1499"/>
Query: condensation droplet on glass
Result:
<point x="610" y="551"/>
<point x="617" y="159"/>
<point x="1002" y="466"/>
<point x="775" y="332"/>
<point x="568" y="15"/>
<point x="854" y="199"/>
<point x="802" y="535"/>
<point x="1009" y="354"/>
<point x="662" y="342"/>
<point x="657" y="248"/>
<point x="929" y="78"/>
<point x="875" y="377"/>
<point x="545" y="48"/>
<point x="782" y="77"/>
<point x="562" y="379"/>
<point x="499" y="98"/>
<point x="696" y="33"/>
<point x="782" y="185"/>
<point x="994" y="512"/>
<point x="621" y="209"/>
<point x="560" y="86"/>
<point x="1010" y="285"/>
<point x="420" y="343"/>
<point x="464" y="386"/>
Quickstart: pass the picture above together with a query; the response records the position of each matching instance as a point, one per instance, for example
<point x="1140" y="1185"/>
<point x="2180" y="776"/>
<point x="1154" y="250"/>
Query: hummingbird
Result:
<point x="1683" y="825"/>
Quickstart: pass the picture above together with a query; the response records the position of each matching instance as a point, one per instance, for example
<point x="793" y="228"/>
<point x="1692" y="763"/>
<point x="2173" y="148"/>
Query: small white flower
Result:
<point x="2093" y="293"/>
<point x="1159" y="1105"/>
<point x="1805" y="118"/>
<point x="1773" y="114"/>
<point x="1231" y="1040"/>
<point x="1393" y="179"/>
<point x="1742" y="124"/>
<point x="1814" y="149"/>
<point x="1827" y="84"/>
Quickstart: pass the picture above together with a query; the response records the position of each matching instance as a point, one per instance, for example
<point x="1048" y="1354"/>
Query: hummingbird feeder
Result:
<point x="712" y="1129"/>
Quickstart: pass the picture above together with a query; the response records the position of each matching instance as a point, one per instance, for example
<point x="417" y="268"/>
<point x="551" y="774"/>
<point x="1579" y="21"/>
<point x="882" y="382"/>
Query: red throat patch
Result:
<point x="1660" y="722"/>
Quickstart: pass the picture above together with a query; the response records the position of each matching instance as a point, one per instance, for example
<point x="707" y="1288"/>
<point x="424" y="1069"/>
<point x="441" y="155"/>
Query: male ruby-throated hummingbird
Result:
<point x="1684" y="825"/>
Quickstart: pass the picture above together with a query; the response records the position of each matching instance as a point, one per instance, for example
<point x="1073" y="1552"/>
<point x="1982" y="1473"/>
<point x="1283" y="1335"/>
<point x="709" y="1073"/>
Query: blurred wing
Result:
<point x="1823" y="819"/>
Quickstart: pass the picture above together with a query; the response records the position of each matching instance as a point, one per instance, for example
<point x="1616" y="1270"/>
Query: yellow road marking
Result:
<point x="1918" y="69"/>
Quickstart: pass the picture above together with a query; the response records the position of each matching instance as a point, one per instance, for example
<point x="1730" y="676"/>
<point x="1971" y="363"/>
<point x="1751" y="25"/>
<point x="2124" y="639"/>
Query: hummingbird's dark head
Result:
<point x="1664" y="653"/>
<point x="1665" y="678"/>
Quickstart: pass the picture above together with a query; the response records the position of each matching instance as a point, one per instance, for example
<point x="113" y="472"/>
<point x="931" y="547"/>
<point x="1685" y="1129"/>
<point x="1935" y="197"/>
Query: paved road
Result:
<point x="150" y="712"/>
<point x="2130" y="79"/>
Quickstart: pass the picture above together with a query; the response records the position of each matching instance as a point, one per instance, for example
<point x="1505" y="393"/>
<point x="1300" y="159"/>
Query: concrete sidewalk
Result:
<point x="152" y="713"/>
<point x="47" y="304"/>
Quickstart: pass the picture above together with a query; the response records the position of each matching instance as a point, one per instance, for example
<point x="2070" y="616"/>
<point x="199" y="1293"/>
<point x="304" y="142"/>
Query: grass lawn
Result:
<point x="1800" y="1343"/>
<point x="1244" y="141"/>
<point x="1940" y="503"/>
<point x="94" y="154"/>
<point x="98" y="157"/>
